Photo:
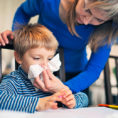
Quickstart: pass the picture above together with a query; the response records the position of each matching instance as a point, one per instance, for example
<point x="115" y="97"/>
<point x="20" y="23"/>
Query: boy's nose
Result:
<point x="44" y="63"/>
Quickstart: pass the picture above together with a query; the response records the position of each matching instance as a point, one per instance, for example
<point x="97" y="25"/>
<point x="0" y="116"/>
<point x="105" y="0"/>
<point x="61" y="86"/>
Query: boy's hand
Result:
<point x="49" y="102"/>
<point x="68" y="99"/>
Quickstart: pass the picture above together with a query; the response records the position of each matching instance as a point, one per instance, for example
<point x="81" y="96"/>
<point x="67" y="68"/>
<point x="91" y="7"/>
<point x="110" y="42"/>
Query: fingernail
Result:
<point x="60" y="96"/>
<point x="64" y="94"/>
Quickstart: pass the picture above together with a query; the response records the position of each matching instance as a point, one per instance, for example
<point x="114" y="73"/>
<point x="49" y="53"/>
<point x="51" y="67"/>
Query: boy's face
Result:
<point x="36" y="56"/>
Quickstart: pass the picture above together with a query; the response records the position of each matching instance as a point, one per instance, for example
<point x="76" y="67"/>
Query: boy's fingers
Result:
<point x="71" y="106"/>
<point x="56" y="97"/>
<point x="51" y="105"/>
<point x="55" y="106"/>
<point x="67" y="93"/>
<point x="70" y="103"/>
<point x="69" y="97"/>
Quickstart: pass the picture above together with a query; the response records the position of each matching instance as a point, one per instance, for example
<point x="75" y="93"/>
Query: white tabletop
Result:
<point x="89" y="112"/>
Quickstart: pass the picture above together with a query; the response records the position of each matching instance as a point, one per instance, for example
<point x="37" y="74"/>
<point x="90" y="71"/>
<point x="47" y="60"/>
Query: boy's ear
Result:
<point x="17" y="58"/>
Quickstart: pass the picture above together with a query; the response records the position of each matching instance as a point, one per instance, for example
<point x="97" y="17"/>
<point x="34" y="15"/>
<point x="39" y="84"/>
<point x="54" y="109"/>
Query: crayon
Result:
<point x="109" y="106"/>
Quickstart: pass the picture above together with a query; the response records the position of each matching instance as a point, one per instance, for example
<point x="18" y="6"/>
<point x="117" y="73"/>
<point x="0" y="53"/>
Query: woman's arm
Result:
<point x="92" y="71"/>
<point x="25" y="11"/>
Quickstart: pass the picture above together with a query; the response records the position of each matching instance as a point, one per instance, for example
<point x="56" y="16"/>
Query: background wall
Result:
<point x="7" y="11"/>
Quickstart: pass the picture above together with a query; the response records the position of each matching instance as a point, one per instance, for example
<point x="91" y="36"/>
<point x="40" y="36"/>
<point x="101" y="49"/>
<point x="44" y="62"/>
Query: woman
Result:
<point x="75" y="24"/>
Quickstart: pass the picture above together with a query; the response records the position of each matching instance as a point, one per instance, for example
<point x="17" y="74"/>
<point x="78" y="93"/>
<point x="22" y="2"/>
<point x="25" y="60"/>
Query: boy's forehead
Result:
<point x="40" y="50"/>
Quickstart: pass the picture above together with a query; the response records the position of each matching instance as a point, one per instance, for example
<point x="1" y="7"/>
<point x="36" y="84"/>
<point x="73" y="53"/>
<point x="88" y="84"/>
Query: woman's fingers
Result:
<point x="1" y="41"/>
<point x="40" y="84"/>
<point x="52" y="83"/>
<point x="46" y="79"/>
<point x="50" y="74"/>
<point x="4" y="37"/>
<point x="11" y="35"/>
<point x="36" y="85"/>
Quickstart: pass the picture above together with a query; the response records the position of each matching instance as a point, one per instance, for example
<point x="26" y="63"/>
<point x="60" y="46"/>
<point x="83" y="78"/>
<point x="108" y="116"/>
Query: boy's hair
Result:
<point x="33" y="36"/>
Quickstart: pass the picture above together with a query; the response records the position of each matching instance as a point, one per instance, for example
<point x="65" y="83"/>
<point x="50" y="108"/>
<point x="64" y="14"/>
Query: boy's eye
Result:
<point x="49" y="59"/>
<point x="36" y="58"/>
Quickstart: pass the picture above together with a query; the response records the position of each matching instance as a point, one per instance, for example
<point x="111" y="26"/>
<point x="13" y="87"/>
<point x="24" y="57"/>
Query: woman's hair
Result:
<point x="108" y="30"/>
<point x="33" y="36"/>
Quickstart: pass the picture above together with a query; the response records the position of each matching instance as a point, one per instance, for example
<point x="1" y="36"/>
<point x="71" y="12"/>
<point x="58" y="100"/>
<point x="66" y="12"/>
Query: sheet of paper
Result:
<point x="89" y="112"/>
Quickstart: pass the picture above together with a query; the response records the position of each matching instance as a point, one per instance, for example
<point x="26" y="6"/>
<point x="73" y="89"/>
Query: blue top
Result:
<point x="74" y="48"/>
<point x="17" y="93"/>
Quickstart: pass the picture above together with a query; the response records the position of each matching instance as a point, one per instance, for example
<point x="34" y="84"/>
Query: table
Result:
<point x="88" y="112"/>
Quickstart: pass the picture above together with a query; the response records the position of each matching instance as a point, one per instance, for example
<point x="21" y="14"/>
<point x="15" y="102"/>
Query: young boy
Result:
<point x="34" y="44"/>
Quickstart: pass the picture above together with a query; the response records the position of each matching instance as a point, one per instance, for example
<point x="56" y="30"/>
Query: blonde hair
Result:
<point x="33" y="36"/>
<point x="109" y="29"/>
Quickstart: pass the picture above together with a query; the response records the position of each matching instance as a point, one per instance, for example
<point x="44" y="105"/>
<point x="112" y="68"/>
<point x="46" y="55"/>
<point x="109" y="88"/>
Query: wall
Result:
<point x="7" y="10"/>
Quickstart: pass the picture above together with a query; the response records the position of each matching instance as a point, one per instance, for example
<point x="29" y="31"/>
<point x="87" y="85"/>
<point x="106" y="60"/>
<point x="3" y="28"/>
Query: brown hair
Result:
<point x="107" y="30"/>
<point x="33" y="36"/>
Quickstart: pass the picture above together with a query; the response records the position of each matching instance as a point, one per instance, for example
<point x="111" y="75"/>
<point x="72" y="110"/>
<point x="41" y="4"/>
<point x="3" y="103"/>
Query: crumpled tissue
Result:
<point x="36" y="70"/>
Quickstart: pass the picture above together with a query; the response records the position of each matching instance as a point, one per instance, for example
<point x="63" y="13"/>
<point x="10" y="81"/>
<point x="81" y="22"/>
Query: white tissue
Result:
<point x="36" y="70"/>
<point x="54" y="64"/>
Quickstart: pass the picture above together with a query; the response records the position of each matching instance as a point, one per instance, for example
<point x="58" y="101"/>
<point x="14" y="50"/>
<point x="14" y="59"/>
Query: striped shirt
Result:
<point x="18" y="94"/>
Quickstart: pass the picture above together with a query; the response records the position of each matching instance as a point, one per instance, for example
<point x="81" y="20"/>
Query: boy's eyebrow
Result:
<point x="51" y="55"/>
<point x="35" y="54"/>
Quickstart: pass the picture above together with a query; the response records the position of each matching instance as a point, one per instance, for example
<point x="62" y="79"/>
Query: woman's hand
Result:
<point x="4" y="37"/>
<point x="50" y="83"/>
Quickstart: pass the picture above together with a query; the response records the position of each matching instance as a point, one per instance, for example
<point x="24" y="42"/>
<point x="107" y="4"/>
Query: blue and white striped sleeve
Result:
<point x="11" y="100"/>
